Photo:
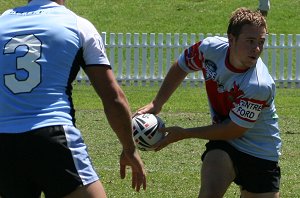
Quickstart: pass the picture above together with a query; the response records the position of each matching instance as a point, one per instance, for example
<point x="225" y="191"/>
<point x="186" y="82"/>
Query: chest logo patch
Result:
<point x="210" y="70"/>
<point x="248" y="109"/>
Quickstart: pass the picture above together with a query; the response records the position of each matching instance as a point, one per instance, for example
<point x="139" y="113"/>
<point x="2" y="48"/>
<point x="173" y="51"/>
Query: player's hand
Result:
<point x="173" y="134"/>
<point x="133" y="159"/>
<point x="149" y="108"/>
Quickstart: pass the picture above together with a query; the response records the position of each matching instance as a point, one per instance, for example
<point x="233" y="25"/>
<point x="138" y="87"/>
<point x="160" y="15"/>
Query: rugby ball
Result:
<point x="145" y="132"/>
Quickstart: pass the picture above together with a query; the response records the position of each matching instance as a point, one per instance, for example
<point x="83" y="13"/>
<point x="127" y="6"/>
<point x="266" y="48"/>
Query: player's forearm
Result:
<point x="119" y="118"/>
<point x="223" y="131"/>
<point x="115" y="103"/>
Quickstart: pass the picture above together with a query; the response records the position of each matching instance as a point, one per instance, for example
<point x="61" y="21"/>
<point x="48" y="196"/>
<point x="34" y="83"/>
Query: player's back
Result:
<point x="40" y="58"/>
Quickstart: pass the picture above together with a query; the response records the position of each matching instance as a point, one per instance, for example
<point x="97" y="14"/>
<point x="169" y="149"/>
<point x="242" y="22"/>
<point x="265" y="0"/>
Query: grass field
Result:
<point x="182" y="16"/>
<point x="174" y="171"/>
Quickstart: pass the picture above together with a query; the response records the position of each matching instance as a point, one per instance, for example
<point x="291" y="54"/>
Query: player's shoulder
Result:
<point x="213" y="44"/>
<point x="85" y="24"/>
<point x="261" y="85"/>
<point x="263" y="74"/>
<point x="85" y="28"/>
<point x="6" y="12"/>
<point x="215" y="41"/>
<point x="214" y="47"/>
<point x="81" y="22"/>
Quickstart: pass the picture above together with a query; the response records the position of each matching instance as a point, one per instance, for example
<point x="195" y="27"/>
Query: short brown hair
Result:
<point x="243" y="16"/>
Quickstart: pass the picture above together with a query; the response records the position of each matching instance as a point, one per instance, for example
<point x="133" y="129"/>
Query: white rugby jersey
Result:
<point x="43" y="45"/>
<point x="244" y="96"/>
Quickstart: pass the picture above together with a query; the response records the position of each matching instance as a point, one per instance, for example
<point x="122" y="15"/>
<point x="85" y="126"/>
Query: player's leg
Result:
<point x="93" y="190"/>
<point x="246" y="194"/>
<point x="16" y="179"/>
<point x="64" y="168"/>
<point x="258" y="178"/>
<point x="217" y="173"/>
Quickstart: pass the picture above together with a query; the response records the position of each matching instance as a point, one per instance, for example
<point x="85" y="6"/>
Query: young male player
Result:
<point x="244" y="143"/>
<point x="43" y="45"/>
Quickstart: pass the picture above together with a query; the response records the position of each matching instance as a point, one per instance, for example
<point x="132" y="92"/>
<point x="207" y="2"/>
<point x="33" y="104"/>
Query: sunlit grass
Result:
<point x="174" y="171"/>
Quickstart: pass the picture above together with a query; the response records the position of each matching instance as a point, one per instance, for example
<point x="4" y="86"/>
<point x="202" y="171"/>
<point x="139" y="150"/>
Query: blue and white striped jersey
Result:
<point x="43" y="45"/>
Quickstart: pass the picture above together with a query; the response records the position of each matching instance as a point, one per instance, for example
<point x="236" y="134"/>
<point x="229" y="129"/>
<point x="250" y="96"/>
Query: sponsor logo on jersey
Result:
<point x="210" y="70"/>
<point x="248" y="109"/>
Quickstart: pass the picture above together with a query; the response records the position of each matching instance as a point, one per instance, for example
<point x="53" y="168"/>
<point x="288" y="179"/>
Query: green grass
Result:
<point x="170" y="16"/>
<point x="190" y="16"/>
<point x="174" y="171"/>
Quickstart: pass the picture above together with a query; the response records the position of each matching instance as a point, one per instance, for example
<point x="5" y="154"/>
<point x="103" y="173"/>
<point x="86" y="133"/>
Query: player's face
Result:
<point x="246" y="49"/>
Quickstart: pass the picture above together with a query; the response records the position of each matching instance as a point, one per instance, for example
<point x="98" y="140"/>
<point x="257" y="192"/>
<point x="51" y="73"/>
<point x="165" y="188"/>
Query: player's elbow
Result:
<point x="232" y="130"/>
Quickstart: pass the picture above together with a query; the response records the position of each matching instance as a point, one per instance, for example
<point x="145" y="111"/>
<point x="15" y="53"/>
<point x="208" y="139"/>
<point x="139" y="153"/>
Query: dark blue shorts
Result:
<point x="252" y="174"/>
<point x="41" y="161"/>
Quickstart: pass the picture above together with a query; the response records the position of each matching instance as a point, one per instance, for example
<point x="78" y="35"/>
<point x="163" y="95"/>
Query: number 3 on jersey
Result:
<point x="26" y="62"/>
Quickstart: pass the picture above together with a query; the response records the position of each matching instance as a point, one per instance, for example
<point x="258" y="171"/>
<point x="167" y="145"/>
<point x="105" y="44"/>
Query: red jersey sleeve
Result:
<point x="191" y="59"/>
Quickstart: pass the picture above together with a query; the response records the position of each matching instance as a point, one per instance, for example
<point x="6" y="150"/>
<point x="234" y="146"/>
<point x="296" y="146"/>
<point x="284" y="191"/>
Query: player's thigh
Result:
<point x="217" y="172"/>
<point x="16" y="180"/>
<point x="246" y="194"/>
<point x="65" y="164"/>
<point x="258" y="176"/>
<point x="93" y="190"/>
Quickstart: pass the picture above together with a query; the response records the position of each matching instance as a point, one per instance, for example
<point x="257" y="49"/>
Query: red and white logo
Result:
<point x="248" y="109"/>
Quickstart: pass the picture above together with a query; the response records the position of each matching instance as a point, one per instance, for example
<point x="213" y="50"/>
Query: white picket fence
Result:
<point x="144" y="59"/>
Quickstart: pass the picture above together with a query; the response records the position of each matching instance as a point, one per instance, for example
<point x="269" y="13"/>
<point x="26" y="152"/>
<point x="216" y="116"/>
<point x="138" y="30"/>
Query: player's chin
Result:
<point x="251" y="62"/>
<point x="253" y="59"/>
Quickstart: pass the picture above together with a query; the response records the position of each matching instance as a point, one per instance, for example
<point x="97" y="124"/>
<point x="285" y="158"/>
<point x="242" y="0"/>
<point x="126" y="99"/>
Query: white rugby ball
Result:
<point x="145" y="132"/>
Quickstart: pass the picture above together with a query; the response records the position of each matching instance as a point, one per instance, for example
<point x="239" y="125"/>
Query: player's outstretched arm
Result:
<point x="222" y="131"/>
<point x="118" y="114"/>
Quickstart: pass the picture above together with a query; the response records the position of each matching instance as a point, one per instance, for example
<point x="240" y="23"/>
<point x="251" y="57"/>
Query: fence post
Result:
<point x="144" y="58"/>
<point x="273" y="62"/>
<point x="160" y="57"/>
<point x="289" y="63"/>
<point x="266" y="52"/>
<point x="281" y="64"/>
<point x="297" y="77"/>
<point x="168" y="52"/>
<point x="128" y="58"/>
<point x="120" y="58"/>
<point x="152" y="58"/>
<point x="103" y="36"/>
<point x="136" y="58"/>
<point x="176" y="45"/>
<point x="112" y="47"/>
